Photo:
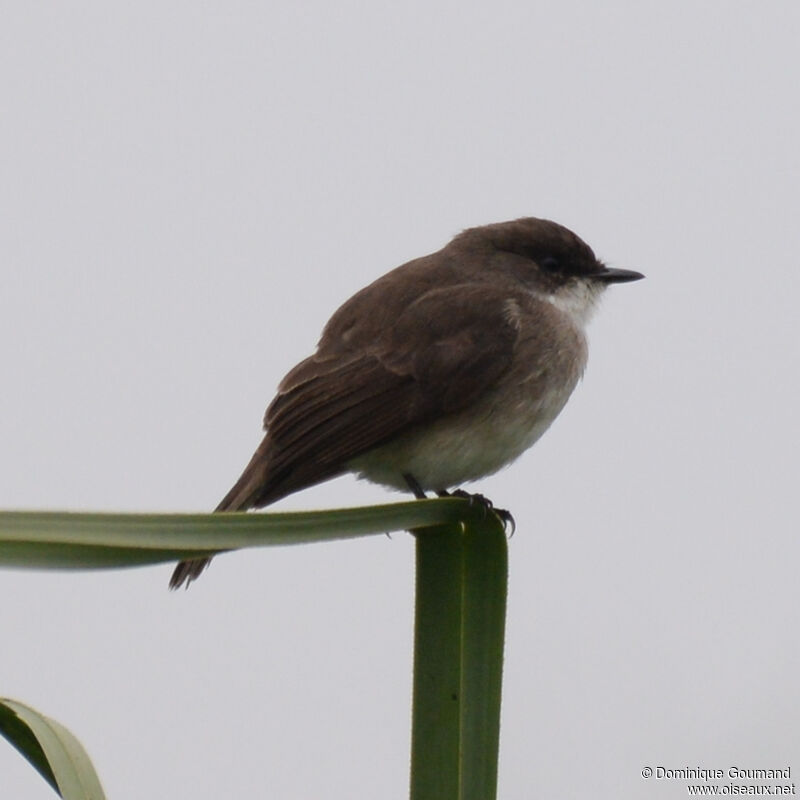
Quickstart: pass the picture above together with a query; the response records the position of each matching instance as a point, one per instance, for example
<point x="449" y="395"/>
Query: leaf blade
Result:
<point x="51" y="749"/>
<point x="436" y="704"/>
<point x="459" y="630"/>
<point x="485" y="591"/>
<point x="79" y="540"/>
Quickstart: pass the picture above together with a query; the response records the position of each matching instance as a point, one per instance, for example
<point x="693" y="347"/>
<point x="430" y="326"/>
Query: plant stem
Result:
<point x="458" y="660"/>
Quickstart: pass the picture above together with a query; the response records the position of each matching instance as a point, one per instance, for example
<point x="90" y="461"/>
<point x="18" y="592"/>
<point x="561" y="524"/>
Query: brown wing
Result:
<point x="442" y="352"/>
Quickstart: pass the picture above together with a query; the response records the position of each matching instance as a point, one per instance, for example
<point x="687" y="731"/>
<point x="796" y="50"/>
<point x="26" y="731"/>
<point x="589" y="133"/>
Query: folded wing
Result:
<point x="436" y="357"/>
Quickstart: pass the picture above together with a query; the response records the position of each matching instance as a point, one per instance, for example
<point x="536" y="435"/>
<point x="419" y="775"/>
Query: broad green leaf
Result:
<point x="458" y="660"/>
<point x="460" y="610"/>
<point x="72" y="540"/>
<point x="51" y="749"/>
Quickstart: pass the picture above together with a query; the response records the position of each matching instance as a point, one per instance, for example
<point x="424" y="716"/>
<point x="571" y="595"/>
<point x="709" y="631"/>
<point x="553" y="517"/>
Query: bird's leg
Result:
<point x="483" y="502"/>
<point x="414" y="486"/>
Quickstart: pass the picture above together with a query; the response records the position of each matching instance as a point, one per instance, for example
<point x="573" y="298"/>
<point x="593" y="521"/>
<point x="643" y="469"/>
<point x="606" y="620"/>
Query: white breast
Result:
<point x="476" y="442"/>
<point x="495" y="431"/>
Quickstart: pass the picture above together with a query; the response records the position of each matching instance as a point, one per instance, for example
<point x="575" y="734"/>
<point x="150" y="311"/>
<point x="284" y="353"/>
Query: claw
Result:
<point x="486" y="504"/>
<point x="507" y="518"/>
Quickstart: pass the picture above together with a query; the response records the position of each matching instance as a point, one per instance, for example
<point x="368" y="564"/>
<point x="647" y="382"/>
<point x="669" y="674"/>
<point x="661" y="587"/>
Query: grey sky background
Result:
<point x="188" y="190"/>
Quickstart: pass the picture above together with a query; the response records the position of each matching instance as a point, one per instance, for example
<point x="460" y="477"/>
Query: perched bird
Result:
<point x="442" y="371"/>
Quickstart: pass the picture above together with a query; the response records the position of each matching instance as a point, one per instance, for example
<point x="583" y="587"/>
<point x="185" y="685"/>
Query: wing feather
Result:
<point x="441" y="352"/>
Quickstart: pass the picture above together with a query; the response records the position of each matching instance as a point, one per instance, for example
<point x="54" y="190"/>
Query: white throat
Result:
<point x="578" y="299"/>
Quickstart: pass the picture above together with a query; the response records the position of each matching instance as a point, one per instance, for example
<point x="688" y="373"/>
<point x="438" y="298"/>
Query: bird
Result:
<point x="440" y="372"/>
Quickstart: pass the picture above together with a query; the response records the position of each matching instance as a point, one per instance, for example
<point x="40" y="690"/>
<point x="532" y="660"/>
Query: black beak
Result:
<point x="611" y="275"/>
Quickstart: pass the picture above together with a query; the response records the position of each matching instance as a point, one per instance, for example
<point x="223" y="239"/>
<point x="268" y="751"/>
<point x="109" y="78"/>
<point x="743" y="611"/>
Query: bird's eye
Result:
<point x="550" y="264"/>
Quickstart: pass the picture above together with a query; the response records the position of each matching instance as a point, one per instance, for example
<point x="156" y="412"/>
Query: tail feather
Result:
<point x="187" y="571"/>
<point x="244" y="494"/>
<point x="264" y="480"/>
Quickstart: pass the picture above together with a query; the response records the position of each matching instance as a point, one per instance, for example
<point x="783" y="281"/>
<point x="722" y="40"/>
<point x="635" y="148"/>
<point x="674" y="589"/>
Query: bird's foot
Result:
<point x="413" y="485"/>
<point x="484" y="503"/>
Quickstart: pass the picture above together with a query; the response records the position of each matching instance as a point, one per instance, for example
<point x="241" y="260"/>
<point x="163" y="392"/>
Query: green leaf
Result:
<point x="70" y="540"/>
<point x="458" y="660"/>
<point x="460" y="610"/>
<point x="51" y="749"/>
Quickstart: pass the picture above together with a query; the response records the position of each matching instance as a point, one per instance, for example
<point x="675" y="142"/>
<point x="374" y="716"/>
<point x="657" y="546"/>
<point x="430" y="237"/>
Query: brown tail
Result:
<point x="187" y="571"/>
<point x="246" y="493"/>
<point x="264" y="480"/>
